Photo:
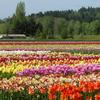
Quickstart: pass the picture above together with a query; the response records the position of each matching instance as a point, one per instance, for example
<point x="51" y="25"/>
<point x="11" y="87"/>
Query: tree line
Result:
<point x="53" y="24"/>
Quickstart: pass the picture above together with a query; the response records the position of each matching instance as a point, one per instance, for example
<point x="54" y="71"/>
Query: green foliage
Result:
<point x="31" y="26"/>
<point x="6" y="75"/>
<point x="19" y="19"/>
<point x="20" y="11"/>
<point x="21" y="24"/>
<point x="2" y="28"/>
<point x="64" y="29"/>
<point x="68" y="24"/>
<point x="23" y="95"/>
<point x="48" y="26"/>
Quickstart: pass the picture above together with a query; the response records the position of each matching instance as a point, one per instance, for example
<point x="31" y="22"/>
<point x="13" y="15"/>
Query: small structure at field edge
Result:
<point x="12" y="36"/>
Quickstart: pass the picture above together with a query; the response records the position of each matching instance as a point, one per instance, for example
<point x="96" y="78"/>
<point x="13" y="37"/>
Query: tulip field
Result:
<point x="49" y="70"/>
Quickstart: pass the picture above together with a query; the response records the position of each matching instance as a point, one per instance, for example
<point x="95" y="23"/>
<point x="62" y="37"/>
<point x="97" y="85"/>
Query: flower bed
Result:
<point x="52" y="46"/>
<point x="46" y="75"/>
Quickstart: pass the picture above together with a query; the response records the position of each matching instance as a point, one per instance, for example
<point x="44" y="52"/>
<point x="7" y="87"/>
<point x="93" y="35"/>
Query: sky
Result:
<point x="8" y="7"/>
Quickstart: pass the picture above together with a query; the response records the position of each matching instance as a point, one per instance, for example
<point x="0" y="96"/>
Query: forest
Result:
<point x="67" y="24"/>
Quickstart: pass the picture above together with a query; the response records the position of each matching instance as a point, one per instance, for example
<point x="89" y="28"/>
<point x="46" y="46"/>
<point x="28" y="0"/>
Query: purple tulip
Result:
<point x="61" y="69"/>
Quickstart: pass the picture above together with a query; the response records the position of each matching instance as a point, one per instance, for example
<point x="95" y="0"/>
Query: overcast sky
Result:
<point x="7" y="7"/>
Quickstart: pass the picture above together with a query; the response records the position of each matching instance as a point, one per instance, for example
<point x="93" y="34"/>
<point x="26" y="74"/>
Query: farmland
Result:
<point x="49" y="50"/>
<point x="49" y="70"/>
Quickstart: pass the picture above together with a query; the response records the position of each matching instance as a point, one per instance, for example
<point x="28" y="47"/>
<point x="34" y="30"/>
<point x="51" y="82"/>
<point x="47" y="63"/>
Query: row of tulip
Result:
<point x="49" y="42"/>
<point x="61" y="69"/>
<point x="69" y="60"/>
<point x="22" y="52"/>
<point x="44" y="55"/>
<point x="65" y="46"/>
<point x="16" y="83"/>
<point x="69" y="48"/>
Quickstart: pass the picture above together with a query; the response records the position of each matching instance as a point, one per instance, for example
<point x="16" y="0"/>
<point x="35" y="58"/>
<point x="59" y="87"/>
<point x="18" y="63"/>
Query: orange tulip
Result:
<point x="30" y="90"/>
<point x="97" y="97"/>
<point x="62" y="96"/>
<point x="42" y="90"/>
<point x="51" y="96"/>
<point x="88" y="98"/>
